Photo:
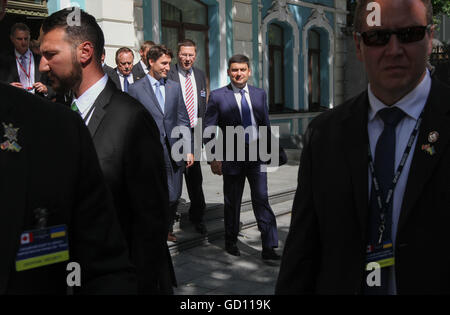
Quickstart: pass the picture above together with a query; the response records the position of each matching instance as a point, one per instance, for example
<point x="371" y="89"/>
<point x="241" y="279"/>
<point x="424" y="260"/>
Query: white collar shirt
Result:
<point x="412" y="104"/>
<point x="122" y="79"/>
<point x="87" y="99"/>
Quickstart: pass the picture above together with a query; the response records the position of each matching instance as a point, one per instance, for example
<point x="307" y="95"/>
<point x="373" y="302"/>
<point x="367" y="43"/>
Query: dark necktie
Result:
<point x="246" y="114"/>
<point x="384" y="170"/>
<point x="125" y="83"/>
<point x="23" y="62"/>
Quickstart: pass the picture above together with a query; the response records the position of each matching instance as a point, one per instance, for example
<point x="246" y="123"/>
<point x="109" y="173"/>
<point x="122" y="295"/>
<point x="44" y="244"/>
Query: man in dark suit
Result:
<point x="126" y="139"/>
<point x="65" y="183"/>
<point x="107" y="69"/>
<point x="20" y="67"/>
<point x="164" y="100"/>
<point x="193" y="86"/>
<point x="122" y="76"/>
<point x="140" y="69"/>
<point x="240" y="104"/>
<point x="369" y="216"/>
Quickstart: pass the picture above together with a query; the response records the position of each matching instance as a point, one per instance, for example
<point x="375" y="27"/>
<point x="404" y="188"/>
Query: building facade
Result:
<point x="297" y="48"/>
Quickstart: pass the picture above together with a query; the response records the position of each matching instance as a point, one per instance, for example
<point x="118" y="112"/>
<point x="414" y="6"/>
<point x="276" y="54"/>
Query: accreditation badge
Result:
<point x="382" y="254"/>
<point x="42" y="247"/>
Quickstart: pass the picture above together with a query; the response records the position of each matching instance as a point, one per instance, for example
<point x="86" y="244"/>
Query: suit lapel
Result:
<point x="435" y="118"/>
<point x="13" y="191"/>
<point x="256" y="106"/>
<point x="231" y="102"/>
<point x="99" y="107"/>
<point x="355" y="144"/>
<point x="148" y="88"/>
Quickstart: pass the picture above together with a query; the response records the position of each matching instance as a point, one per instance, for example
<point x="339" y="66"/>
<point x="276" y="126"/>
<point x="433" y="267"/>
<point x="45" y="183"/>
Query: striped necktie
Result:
<point x="190" y="99"/>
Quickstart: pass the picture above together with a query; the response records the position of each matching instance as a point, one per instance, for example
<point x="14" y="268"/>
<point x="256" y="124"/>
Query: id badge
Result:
<point x="203" y="93"/>
<point x="42" y="247"/>
<point x="382" y="254"/>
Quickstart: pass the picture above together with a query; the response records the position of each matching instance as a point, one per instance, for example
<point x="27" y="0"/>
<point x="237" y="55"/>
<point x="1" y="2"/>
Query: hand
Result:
<point x="216" y="167"/>
<point x="40" y="88"/>
<point x="17" y="85"/>
<point x="190" y="160"/>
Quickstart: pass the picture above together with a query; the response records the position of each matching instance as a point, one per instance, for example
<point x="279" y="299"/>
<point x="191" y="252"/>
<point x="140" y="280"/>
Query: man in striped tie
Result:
<point x="193" y="86"/>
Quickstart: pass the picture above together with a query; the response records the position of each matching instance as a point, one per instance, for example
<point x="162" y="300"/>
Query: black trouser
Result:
<point x="194" y="180"/>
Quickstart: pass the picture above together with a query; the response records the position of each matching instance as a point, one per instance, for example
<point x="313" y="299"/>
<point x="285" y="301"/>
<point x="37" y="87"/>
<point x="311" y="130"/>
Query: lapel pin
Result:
<point x="433" y="136"/>
<point x="11" y="135"/>
<point x="428" y="148"/>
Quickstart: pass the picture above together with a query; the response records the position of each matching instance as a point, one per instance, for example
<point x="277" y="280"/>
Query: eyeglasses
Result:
<point x="404" y="35"/>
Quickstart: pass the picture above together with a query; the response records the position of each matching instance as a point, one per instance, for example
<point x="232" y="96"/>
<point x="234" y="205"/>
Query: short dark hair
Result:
<point x="187" y="43"/>
<point x="239" y="59"/>
<point x="147" y="44"/>
<point x="361" y="9"/>
<point x="88" y="30"/>
<point x="157" y="51"/>
<point x="20" y="27"/>
<point x="123" y="50"/>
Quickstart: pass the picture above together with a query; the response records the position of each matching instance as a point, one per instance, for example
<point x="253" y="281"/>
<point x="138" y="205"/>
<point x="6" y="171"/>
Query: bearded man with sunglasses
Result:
<point x="371" y="211"/>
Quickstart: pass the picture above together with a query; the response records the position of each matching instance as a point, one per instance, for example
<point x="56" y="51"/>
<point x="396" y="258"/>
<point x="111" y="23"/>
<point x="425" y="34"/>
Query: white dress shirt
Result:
<point x="237" y="94"/>
<point x="144" y="66"/>
<point x="26" y="75"/>
<point x="182" y="74"/>
<point x="412" y="104"/>
<point x="86" y="100"/>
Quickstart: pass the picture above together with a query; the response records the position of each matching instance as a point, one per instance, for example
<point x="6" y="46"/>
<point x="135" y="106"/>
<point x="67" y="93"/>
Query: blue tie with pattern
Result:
<point x="246" y="114"/>
<point x="125" y="83"/>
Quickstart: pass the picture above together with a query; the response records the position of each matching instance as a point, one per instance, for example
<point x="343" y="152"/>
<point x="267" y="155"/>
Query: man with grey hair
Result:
<point x="370" y="215"/>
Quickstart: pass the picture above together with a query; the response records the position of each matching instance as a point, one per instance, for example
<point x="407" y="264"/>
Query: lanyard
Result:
<point x="384" y="206"/>
<point x="28" y="74"/>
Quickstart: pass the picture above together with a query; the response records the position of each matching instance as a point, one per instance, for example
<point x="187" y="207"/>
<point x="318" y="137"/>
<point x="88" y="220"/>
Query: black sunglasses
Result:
<point x="404" y="35"/>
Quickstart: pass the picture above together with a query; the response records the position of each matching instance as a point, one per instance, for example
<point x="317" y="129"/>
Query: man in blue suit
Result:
<point x="239" y="104"/>
<point x="164" y="100"/>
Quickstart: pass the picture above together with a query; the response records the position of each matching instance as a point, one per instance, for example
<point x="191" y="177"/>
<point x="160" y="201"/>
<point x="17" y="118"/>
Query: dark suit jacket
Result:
<point x="9" y="73"/>
<point x="200" y="81"/>
<point x="57" y="169"/>
<point x="175" y="113"/>
<point x="131" y="157"/>
<point x="138" y="72"/>
<point x="223" y="111"/>
<point x="115" y="78"/>
<point x="325" y="247"/>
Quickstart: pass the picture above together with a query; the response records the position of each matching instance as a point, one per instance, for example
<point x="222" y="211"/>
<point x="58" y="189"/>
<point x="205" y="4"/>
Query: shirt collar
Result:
<point x="143" y="66"/>
<point x="18" y="55"/>
<point x="237" y="90"/>
<point x="87" y="99"/>
<point x="121" y="75"/>
<point x="412" y="103"/>
<point x="184" y="72"/>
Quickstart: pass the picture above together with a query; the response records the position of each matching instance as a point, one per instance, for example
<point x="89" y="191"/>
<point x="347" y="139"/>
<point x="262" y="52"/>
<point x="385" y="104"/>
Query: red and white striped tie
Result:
<point x="190" y="99"/>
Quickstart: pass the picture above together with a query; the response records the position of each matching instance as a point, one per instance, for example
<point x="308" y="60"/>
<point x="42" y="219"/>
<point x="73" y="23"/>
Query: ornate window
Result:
<point x="314" y="70"/>
<point x="276" y="68"/>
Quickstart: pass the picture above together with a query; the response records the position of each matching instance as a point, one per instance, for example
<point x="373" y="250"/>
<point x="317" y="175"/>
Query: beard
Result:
<point x="63" y="85"/>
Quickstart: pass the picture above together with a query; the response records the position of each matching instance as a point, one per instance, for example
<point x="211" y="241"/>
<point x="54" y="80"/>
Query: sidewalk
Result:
<point x="209" y="270"/>
<point x="201" y="264"/>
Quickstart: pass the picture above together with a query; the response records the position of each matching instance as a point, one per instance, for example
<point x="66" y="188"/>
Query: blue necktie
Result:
<point x="23" y="62"/>
<point x="385" y="170"/>
<point x="246" y="114"/>
<point x="125" y="83"/>
<point x="158" y="93"/>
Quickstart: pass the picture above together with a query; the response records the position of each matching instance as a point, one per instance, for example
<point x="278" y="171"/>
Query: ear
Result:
<point x="85" y="52"/>
<point x="357" y="41"/>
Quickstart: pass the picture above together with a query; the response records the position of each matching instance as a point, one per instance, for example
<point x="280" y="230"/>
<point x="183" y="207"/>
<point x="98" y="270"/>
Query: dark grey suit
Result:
<point x="115" y="78"/>
<point x="193" y="175"/>
<point x="138" y="72"/>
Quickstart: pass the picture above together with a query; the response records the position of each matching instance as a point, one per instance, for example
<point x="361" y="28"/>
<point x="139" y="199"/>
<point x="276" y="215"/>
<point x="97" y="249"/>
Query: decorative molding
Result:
<point x="280" y="12"/>
<point x="318" y="19"/>
<point x="30" y="8"/>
